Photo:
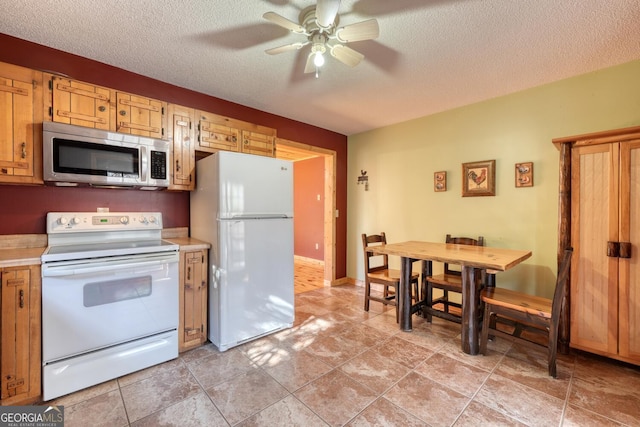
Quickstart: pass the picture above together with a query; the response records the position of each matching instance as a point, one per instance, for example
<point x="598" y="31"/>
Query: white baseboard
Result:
<point x="307" y="260"/>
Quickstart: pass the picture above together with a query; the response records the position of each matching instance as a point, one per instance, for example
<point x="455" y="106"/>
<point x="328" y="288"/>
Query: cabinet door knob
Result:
<point x="123" y="113"/>
<point x="625" y="250"/>
<point x="102" y="108"/>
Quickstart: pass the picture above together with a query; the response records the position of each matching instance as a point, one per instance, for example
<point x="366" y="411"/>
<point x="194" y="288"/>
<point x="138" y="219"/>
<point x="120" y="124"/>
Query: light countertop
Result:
<point x="20" y="256"/>
<point x="188" y="243"/>
<point x="13" y="256"/>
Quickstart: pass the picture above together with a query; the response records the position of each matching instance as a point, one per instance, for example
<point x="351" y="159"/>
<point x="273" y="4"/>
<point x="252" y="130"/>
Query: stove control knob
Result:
<point x="152" y="219"/>
<point x="124" y="219"/>
<point x="142" y="220"/>
<point x="75" y="220"/>
<point x="63" y="220"/>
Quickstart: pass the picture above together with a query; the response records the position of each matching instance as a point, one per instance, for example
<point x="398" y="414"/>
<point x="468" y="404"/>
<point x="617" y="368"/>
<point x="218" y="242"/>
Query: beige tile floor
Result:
<point x="339" y="365"/>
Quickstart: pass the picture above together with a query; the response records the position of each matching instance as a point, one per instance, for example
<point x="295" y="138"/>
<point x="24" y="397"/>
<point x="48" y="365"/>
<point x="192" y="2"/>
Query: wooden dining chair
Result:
<point x="519" y="312"/>
<point x="449" y="281"/>
<point x="377" y="271"/>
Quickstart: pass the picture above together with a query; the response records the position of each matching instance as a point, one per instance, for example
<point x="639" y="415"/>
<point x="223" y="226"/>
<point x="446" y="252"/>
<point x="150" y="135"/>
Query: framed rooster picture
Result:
<point x="479" y="178"/>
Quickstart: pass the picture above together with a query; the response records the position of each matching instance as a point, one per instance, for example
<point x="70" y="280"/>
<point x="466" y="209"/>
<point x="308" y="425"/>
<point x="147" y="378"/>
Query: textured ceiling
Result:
<point x="431" y="56"/>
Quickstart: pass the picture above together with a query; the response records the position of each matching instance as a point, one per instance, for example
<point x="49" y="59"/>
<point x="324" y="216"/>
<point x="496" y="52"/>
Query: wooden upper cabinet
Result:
<point x="20" y="125"/>
<point x="216" y="132"/>
<point x="81" y="104"/>
<point x="181" y="133"/>
<point x="256" y="142"/>
<point x="137" y="115"/>
<point x="88" y="105"/>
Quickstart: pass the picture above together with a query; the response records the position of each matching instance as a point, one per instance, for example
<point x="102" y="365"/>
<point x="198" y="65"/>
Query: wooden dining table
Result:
<point x="474" y="260"/>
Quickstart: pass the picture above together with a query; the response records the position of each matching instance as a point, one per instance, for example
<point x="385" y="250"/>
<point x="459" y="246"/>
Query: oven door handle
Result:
<point x="54" y="271"/>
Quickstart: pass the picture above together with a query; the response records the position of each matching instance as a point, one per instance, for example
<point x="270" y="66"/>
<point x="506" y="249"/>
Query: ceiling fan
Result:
<point x="319" y="24"/>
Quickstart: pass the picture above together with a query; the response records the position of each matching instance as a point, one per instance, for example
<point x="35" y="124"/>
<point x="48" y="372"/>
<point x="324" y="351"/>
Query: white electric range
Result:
<point x="109" y="298"/>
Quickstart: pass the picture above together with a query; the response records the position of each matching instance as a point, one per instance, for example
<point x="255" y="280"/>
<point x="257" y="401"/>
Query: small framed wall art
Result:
<point x="479" y="178"/>
<point x="524" y="174"/>
<point x="440" y="181"/>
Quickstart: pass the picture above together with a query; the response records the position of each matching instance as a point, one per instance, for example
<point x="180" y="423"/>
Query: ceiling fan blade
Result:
<point x="346" y="55"/>
<point x="310" y="67"/>
<point x="284" y="22"/>
<point x="286" y="48"/>
<point x="326" y="12"/>
<point x="365" y="30"/>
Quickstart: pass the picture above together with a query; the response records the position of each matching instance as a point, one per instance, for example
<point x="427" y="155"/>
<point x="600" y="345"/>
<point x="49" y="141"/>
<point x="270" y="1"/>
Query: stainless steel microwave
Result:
<point x="75" y="155"/>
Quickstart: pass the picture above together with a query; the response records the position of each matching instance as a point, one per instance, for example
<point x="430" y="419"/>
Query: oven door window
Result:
<point x="108" y="292"/>
<point x="87" y="158"/>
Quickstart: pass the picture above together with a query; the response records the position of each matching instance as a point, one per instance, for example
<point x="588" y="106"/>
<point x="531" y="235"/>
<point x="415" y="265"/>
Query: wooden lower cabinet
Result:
<point x="192" y="328"/>
<point x="20" y="353"/>
<point x="605" y="234"/>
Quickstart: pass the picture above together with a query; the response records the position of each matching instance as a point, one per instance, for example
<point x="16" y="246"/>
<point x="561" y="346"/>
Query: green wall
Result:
<point x="400" y="161"/>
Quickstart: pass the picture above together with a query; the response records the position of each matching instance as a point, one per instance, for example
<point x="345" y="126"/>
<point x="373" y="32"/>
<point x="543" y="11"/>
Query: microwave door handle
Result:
<point x="71" y="270"/>
<point x="144" y="165"/>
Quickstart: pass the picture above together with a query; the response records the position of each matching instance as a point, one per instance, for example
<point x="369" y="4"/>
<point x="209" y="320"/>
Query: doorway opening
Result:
<point x="296" y="151"/>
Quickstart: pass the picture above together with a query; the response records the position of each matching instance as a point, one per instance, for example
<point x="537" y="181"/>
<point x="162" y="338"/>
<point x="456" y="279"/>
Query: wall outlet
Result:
<point x="317" y="246"/>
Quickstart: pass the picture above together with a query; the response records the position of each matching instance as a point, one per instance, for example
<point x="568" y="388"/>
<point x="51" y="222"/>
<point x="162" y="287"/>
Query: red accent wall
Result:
<point x="23" y="209"/>
<point x="18" y="218"/>
<point x="308" y="216"/>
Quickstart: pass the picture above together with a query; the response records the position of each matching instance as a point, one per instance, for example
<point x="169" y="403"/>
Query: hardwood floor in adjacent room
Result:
<point x="308" y="275"/>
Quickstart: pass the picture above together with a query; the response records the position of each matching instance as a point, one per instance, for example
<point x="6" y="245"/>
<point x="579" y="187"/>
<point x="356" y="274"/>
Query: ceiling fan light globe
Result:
<point x="318" y="59"/>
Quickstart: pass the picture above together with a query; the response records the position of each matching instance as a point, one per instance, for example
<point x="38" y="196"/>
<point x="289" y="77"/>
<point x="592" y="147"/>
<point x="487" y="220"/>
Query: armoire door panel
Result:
<point x="629" y="276"/>
<point x="594" y="276"/>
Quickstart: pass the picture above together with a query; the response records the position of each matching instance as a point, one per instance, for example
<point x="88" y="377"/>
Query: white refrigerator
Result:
<point x="243" y="206"/>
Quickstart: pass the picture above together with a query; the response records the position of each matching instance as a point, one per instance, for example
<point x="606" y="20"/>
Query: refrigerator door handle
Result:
<point x="265" y="216"/>
<point x="215" y="275"/>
